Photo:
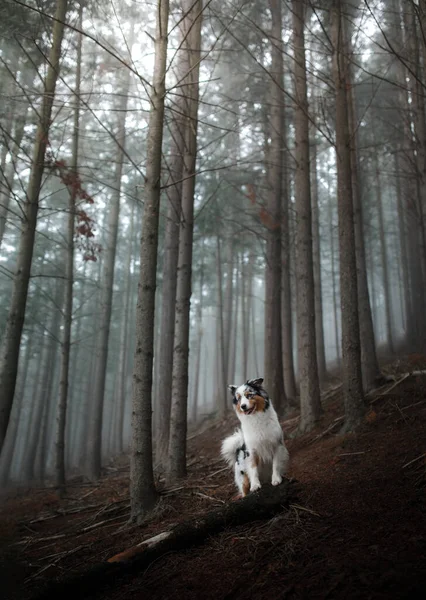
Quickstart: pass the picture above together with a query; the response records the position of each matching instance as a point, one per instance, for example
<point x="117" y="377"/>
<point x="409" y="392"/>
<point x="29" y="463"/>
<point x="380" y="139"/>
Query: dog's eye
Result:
<point x="238" y="396"/>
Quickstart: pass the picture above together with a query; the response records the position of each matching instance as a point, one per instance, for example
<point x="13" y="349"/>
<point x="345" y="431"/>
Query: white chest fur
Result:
<point x="262" y="432"/>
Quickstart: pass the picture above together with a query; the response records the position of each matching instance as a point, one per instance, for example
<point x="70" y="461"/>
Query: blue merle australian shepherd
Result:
<point x="256" y="451"/>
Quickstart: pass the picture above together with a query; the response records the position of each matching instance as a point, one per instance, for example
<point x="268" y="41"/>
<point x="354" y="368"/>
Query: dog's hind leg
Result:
<point x="279" y="464"/>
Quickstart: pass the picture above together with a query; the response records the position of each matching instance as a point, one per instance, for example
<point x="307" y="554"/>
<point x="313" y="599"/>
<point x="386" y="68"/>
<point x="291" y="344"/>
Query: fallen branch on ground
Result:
<point x="386" y="392"/>
<point x="256" y="506"/>
<point x="330" y="428"/>
<point x="260" y="505"/>
<point x="402" y="377"/>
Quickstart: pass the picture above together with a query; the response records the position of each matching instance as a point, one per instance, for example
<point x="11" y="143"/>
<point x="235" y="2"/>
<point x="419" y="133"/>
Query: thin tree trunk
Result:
<point x="387" y="292"/>
<point x="94" y="458"/>
<point x="273" y="359"/>
<point x="316" y="255"/>
<point x="369" y="363"/>
<point x="143" y="494"/>
<point x="170" y="264"/>
<point x="220" y="351"/>
<point x="9" y="355"/>
<point x="176" y="467"/>
<point x="417" y="105"/>
<point x="286" y="309"/>
<point x="40" y="397"/>
<point x="351" y="348"/>
<point x="310" y="404"/>
<point x="200" y="332"/>
<point x="245" y="315"/>
<point x="49" y="404"/>
<point x="253" y="327"/>
<point x="235" y="328"/>
<point x="48" y="408"/>
<point x="333" y="279"/>
<point x="122" y="364"/>
<point x="67" y="306"/>
<point x="408" y="318"/>
<point x="227" y="304"/>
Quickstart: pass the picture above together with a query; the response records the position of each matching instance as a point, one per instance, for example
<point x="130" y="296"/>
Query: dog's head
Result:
<point x="250" y="397"/>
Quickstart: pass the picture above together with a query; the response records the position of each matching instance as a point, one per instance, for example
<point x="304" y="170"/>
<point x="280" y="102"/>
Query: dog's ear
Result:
<point x="256" y="383"/>
<point x="232" y="388"/>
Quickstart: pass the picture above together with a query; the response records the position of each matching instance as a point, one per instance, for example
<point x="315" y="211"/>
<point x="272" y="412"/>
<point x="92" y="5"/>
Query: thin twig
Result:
<point x="216" y="472"/>
<point x="304" y="509"/>
<point x="169" y="492"/>
<point x="209" y="497"/>
<point x="414" y="460"/>
<point x="36" y="540"/>
<point x="415" y="404"/>
<point x="100" y="524"/>
<point x="350" y="453"/>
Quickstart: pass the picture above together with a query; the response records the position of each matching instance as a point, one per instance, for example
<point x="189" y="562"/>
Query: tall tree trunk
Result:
<point x="69" y="279"/>
<point x="176" y="467"/>
<point x="200" y="332"/>
<point x="41" y="394"/>
<point x="310" y="404"/>
<point x="143" y="494"/>
<point x="273" y="359"/>
<point x="316" y="255"/>
<point x="227" y="303"/>
<point x="253" y="327"/>
<point x="417" y="104"/>
<point x="94" y="458"/>
<point x="351" y="348"/>
<point x="333" y="277"/>
<point x="245" y="314"/>
<point x="9" y="355"/>
<point x="46" y="427"/>
<point x="286" y="309"/>
<point x="369" y="363"/>
<point x="122" y="368"/>
<point x="408" y="318"/>
<point x="387" y="291"/>
<point x="235" y="328"/>
<point x="170" y="262"/>
<point x="220" y="337"/>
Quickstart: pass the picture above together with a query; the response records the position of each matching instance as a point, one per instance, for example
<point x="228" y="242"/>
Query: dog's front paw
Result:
<point x="276" y="479"/>
<point x="255" y="486"/>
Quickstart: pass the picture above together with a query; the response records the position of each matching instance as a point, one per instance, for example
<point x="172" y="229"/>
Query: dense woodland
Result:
<point x="193" y="194"/>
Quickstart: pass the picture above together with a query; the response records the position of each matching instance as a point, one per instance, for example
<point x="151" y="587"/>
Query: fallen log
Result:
<point x="260" y="505"/>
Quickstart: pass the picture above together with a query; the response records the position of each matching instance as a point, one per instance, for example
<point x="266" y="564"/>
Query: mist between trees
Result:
<point x="192" y="194"/>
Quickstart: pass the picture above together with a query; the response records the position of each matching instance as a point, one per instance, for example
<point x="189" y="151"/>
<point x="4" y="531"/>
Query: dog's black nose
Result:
<point x="243" y="406"/>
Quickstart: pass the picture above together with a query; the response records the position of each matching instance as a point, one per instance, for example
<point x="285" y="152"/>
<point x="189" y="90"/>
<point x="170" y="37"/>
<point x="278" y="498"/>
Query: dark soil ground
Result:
<point x="356" y="530"/>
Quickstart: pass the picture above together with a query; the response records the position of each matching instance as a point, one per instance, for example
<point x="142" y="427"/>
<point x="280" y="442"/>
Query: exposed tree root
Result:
<point x="260" y="505"/>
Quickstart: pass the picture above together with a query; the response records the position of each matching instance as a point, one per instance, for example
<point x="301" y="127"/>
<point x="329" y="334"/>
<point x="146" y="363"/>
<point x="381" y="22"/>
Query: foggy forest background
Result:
<point x="291" y="137"/>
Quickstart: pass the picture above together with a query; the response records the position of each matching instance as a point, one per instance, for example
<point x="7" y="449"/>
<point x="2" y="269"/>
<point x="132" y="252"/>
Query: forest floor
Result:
<point x="357" y="529"/>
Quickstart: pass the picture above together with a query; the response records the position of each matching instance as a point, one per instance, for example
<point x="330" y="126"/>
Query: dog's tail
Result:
<point x="230" y="445"/>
